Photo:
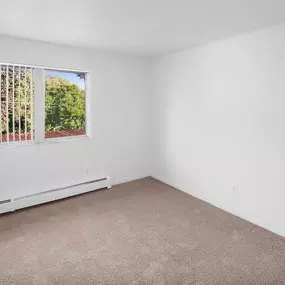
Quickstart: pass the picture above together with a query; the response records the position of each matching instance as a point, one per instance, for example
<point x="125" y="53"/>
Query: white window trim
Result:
<point x="88" y="132"/>
<point x="39" y="107"/>
<point x="46" y="67"/>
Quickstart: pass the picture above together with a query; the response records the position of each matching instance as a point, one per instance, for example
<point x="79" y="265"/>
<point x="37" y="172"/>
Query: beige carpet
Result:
<point x="143" y="232"/>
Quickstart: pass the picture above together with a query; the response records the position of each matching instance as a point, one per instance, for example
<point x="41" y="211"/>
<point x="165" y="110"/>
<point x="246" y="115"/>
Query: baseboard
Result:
<point x="15" y="203"/>
<point x="167" y="182"/>
<point x="129" y="179"/>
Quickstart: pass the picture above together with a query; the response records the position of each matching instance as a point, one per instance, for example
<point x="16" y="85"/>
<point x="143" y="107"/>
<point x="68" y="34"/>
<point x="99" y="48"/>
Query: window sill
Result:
<point x="65" y="139"/>
<point x="46" y="142"/>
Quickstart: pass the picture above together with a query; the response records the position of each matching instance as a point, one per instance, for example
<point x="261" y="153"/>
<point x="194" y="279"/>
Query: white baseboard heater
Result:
<point x="13" y="204"/>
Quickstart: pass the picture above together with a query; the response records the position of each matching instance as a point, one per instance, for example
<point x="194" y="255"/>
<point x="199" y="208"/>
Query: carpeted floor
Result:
<point x="143" y="232"/>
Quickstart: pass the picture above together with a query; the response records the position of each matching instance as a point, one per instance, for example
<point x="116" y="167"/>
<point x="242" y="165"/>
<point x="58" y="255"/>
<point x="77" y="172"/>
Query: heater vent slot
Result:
<point x="5" y="201"/>
<point x="62" y="188"/>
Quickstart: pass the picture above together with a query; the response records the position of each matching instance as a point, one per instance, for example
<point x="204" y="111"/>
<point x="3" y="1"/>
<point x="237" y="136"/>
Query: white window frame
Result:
<point x="39" y="106"/>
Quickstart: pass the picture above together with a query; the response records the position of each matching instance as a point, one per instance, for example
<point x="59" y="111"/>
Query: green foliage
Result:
<point x="65" y="105"/>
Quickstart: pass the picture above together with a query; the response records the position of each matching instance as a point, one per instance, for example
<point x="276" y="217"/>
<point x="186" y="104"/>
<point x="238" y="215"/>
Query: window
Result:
<point x="40" y="104"/>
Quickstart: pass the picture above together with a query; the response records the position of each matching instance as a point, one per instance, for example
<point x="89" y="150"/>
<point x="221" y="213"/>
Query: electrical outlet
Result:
<point x="234" y="188"/>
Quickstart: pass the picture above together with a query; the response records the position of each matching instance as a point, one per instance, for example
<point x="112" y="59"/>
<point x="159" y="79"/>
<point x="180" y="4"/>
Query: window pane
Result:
<point x="16" y="104"/>
<point x="64" y="104"/>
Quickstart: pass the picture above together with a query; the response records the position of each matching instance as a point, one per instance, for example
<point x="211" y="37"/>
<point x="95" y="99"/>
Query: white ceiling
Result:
<point x="144" y="27"/>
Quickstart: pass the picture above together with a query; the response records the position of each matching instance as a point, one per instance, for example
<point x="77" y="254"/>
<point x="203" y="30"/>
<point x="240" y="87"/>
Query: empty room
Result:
<point x="142" y="142"/>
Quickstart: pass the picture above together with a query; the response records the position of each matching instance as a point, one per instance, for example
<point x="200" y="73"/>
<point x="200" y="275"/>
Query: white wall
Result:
<point x="120" y="102"/>
<point x="219" y="120"/>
